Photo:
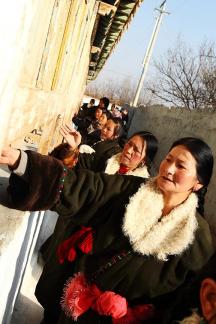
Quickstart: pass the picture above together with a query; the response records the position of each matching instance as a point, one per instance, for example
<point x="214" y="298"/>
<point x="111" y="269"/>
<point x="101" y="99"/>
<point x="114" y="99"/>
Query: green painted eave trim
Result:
<point x="110" y="30"/>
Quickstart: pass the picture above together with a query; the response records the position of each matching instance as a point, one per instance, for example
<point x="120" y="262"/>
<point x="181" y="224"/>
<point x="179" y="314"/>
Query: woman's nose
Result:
<point x="171" y="169"/>
<point x="130" y="150"/>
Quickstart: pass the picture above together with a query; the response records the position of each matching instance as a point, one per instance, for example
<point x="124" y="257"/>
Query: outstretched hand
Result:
<point x="72" y="137"/>
<point x="9" y="156"/>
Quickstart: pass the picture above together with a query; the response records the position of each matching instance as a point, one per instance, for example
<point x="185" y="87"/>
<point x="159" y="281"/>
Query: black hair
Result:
<point x="92" y="100"/>
<point x="204" y="164"/>
<point x="118" y="125"/>
<point x="105" y="101"/>
<point x="62" y="151"/>
<point x="151" y="146"/>
<point x="107" y="113"/>
<point x="102" y="109"/>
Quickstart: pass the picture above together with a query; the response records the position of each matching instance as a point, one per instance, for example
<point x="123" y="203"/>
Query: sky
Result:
<point x="193" y="20"/>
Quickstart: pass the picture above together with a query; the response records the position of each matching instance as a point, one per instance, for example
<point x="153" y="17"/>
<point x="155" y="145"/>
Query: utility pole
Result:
<point x="149" y="50"/>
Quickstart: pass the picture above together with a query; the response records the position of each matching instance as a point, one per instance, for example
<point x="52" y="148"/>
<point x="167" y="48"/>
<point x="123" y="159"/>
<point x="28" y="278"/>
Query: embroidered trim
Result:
<point x="61" y="183"/>
<point x="111" y="262"/>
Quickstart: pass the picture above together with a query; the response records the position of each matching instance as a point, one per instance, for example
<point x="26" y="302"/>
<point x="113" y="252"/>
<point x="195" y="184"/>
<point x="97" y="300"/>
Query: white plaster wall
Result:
<point x="30" y="30"/>
<point x="170" y="124"/>
<point x="8" y="258"/>
<point x="13" y="225"/>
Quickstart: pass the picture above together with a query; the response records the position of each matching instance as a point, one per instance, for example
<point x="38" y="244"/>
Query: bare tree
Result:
<point x="117" y="91"/>
<point x="208" y="74"/>
<point x="186" y="79"/>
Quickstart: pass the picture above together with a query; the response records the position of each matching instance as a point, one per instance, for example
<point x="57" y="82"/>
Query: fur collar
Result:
<point x="192" y="319"/>
<point x="86" y="149"/>
<point x="113" y="166"/>
<point x="149" y="234"/>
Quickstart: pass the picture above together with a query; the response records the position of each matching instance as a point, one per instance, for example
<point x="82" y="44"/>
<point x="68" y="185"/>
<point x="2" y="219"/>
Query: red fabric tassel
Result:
<point x="82" y="239"/>
<point x="79" y="297"/>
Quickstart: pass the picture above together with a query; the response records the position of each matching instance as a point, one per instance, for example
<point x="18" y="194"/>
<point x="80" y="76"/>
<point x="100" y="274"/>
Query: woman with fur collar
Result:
<point x="135" y="159"/>
<point x="105" y="147"/>
<point x="142" y="239"/>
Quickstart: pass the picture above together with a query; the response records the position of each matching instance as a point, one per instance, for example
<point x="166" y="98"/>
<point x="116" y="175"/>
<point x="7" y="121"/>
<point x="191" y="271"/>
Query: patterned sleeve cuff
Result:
<point x="61" y="184"/>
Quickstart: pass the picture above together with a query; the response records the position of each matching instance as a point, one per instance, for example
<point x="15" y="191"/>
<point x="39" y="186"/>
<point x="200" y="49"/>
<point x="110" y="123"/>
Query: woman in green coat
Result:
<point x="140" y="240"/>
<point x="144" y="143"/>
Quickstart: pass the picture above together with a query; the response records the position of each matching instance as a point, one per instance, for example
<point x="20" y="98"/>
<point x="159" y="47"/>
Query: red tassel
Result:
<point x="79" y="296"/>
<point x="83" y="239"/>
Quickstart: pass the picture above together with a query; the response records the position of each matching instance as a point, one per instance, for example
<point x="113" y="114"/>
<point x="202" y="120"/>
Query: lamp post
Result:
<point x="149" y="51"/>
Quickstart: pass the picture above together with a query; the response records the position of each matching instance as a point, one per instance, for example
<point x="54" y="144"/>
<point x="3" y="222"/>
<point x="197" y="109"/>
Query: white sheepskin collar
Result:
<point x="193" y="319"/>
<point x="113" y="166"/>
<point x="86" y="149"/>
<point x="149" y="234"/>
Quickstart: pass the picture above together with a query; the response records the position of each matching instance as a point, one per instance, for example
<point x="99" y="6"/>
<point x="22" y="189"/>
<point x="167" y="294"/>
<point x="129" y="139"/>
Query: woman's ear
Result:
<point x="208" y="299"/>
<point x="197" y="186"/>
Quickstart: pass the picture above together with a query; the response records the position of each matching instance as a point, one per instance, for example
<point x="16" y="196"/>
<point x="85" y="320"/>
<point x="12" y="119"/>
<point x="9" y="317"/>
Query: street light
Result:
<point x="149" y="51"/>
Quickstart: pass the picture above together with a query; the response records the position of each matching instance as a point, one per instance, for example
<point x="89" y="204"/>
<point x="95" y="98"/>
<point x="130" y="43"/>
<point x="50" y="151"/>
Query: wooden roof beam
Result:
<point x="95" y="49"/>
<point x="105" y="8"/>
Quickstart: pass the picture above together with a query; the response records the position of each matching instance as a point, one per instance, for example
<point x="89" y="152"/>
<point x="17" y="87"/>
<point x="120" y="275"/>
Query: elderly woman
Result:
<point x="135" y="159"/>
<point x="144" y="237"/>
<point x="106" y="145"/>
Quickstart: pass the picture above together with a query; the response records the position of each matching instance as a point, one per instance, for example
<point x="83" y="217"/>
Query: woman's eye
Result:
<point x="180" y="166"/>
<point x="168" y="159"/>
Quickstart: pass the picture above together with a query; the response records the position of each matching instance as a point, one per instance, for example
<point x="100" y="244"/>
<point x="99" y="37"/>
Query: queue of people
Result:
<point x="127" y="246"/>
<point x="91" y="119"/>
